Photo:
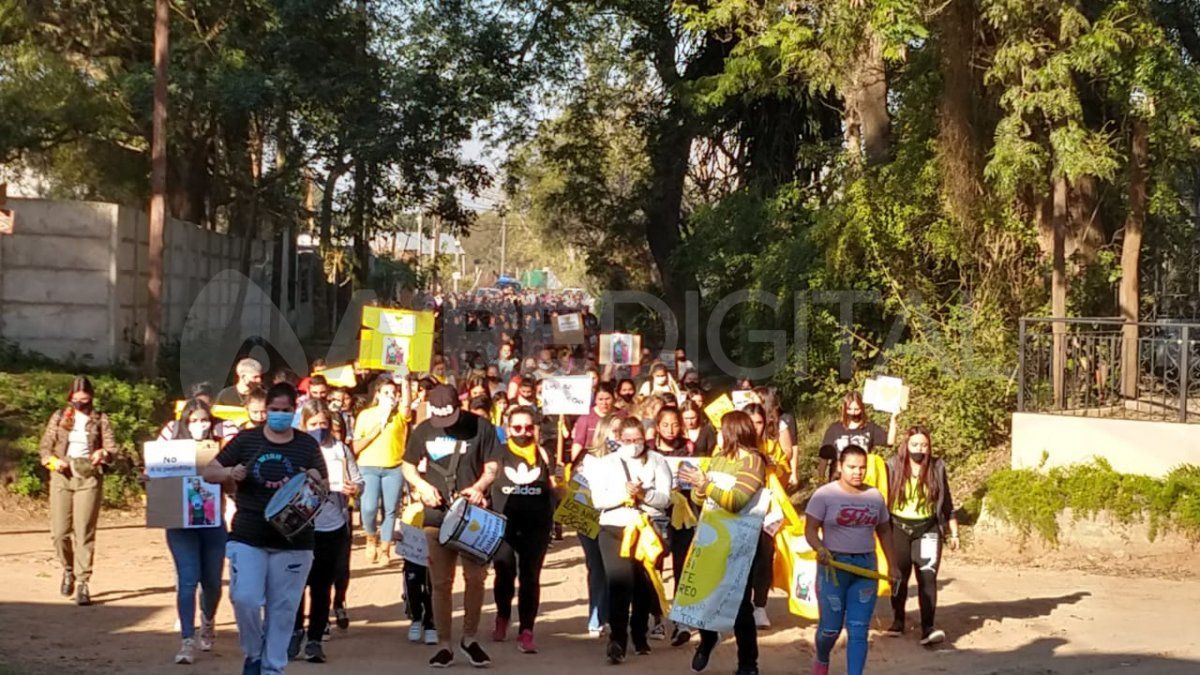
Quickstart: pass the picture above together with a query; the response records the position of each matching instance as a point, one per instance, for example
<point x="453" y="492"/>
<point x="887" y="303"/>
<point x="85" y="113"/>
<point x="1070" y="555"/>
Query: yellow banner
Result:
<point x="575" y="510"/>
<point x="405" y="322"/>
<point x="340" y="376"/>
<point x="234" y="414"/>
<point x="717" y="409"/>
<point x="380" y="351"/>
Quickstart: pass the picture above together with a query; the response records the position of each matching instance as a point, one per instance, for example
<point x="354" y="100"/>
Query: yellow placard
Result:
<point x="230" y="413"/>
<point x="575" y="510"/>
<point x="341" y="376"/>
<point x="381" y="351"/>
<point x="717" y="409"/>
<point x="398" y="321"/>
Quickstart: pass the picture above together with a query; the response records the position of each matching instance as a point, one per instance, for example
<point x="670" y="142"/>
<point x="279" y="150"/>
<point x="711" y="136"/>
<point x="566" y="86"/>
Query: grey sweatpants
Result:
<point x="270" y="579"/>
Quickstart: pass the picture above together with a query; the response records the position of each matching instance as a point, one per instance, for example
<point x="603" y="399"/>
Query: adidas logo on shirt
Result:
<point x="521" y="476"/>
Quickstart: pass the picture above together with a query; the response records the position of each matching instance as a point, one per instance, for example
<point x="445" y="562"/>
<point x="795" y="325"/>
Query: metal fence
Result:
<point x="1110" y="368"/>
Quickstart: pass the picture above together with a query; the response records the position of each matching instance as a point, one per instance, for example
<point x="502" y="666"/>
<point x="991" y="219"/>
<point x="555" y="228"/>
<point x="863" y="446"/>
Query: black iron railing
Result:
<point x="1110" y="368"/>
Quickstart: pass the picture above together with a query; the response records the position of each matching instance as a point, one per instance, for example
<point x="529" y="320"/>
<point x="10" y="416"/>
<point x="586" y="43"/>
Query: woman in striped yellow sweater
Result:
<point x="744" y="470"/>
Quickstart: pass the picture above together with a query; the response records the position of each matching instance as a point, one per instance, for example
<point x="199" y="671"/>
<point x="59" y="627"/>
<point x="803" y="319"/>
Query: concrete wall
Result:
<point x="1130" y="446"/>
<point x="73" y="280"/>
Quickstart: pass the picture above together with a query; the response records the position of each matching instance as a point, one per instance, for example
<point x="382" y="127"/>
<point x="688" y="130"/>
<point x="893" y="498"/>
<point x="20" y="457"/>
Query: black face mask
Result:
<point x="521" y="441"/>
<point x="81" y="406"/>
<point x="628" y="398"/>
<point x="918" y="457"/>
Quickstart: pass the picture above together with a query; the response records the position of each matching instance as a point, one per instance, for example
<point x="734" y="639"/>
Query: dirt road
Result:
<point x="1000" y="620"/>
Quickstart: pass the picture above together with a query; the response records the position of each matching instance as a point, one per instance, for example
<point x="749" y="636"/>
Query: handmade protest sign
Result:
<point x="888" y="394"/>
<point x="567" y="395"/>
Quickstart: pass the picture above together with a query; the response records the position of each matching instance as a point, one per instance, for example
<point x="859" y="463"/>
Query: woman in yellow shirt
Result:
<point x="379" y="436"/>
<point x="923" y="520"/>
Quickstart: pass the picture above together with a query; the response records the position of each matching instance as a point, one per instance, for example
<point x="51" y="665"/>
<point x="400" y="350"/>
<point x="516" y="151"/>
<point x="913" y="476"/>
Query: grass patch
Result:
<point x="1031" y="500"/>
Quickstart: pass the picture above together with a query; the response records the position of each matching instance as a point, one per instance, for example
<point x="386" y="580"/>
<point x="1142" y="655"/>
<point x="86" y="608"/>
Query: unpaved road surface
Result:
<point x="1003" y="620"/>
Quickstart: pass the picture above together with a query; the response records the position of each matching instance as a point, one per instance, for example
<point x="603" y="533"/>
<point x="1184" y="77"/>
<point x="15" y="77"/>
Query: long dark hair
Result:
<point x="928" y="490"/>
<point x="771" y="404"/>
<point x="79" y="384"/>
<point x="737" y="431"/>
<point x="769" y="432"/>
<point x="181" y="423"/>
<point x="852" y="397"/>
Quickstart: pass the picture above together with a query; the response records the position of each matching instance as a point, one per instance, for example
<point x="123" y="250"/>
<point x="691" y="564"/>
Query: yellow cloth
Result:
<point x="911" y="506"/>
<point x="528" y="454"/>
<point x="387" y="449"/>
<point x="641" y="543"/>
<point x="781" y="464"/>
<point x="413" y="514"/>
<point x="682" y="516"/>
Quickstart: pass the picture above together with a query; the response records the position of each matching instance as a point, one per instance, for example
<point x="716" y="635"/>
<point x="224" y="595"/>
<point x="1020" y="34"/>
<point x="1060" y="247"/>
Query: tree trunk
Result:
<point x="1131" y="252"/>
<point x="866" y="103"/>
<point x="358" y="224"/>
<point x="958" y="143"/>
<point x="1085" y="232"/>
<point x="670" y="147"/>
<point x="1058" y="289"/>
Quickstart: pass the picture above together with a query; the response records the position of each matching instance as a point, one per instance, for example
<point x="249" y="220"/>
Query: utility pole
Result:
<point x="158" y="187"/>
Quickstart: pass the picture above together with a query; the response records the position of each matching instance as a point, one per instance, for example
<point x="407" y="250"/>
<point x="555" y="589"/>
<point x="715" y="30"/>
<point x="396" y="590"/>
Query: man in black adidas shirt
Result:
<point x="452" y="454"/>
<point x="266" y="570"/>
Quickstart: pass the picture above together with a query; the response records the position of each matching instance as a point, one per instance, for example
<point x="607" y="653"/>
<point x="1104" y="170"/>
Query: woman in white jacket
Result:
<point x="631" y="480"/>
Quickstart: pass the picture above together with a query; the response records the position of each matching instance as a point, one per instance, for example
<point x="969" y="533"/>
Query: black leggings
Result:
<point x="907" y="536"/>
<point x="628" y="586"/>
<point x="744" y="630"/>
<point x="681" y="541"/>
<point x="418" y="594"/>
<point x="330" y="555"/>
<point x="341" y="578"/>
<point x="521" y="556"/>
<point x="763" y="569"/>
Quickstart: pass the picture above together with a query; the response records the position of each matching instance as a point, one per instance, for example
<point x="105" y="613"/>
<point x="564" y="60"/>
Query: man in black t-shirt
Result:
<point x="266" y="569"/>
<point x="451" y="455"/>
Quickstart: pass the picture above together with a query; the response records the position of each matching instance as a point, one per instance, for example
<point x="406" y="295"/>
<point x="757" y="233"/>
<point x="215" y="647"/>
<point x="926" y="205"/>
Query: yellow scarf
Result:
<point x="527" y="453"/>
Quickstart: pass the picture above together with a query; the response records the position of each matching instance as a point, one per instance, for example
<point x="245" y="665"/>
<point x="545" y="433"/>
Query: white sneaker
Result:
<point x="416" y="632"/>
<point x="208" y="634"/>
<point x="658" y="632"/>
<point x="187" y="652"/>
<point x="760" y="618"/>
<point x="431" y="636"/>
<point x="935" y="636"/>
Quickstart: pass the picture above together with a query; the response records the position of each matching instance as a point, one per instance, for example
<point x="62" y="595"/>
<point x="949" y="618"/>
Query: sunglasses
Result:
<point x="521" y="428"/>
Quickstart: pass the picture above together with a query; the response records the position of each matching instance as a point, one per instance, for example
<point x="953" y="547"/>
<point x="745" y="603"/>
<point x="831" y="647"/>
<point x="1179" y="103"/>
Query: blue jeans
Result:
<point x="849" y="599"/>
<point x="597" y="583"/>
<point x="385" y="483"/>
<point x="199" y="556"/>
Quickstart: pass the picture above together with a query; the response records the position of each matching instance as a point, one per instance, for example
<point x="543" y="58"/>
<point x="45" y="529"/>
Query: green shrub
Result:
<point x="1031" y="500"/>
<point x="28" y="398"/>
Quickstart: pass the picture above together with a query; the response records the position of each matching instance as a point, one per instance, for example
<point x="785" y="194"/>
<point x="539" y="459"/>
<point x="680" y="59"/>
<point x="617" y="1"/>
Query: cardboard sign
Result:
<point x="404" y="322"/>
<point x="400" y="353"/>
<point x="235" y="414"/>
<point x="567" y="395"/>
<point x="674" y="463"/>
<point x="576" y="511"/>
<point x="201" y="503"/>
<point x="888" y="394"/>
<point x="167" y="499"/>
<point x="717" y="409"/>
<point x="567" y="329"/>
<point x="341" y="376"/>
<point x="411" y="543"/>
<point x="176" y="459"/>
<point x="620" y="349"/>
<point x="742" y="398"/>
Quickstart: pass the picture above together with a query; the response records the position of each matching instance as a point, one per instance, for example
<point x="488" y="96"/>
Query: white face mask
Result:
<point x="199" y="430"/>
<point x="387" y="401"/>
<point x="630" y="450"/>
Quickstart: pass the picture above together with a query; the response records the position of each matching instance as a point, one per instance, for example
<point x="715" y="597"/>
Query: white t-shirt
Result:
<point x="607" y="477"/>
<point x="77" y="439"/>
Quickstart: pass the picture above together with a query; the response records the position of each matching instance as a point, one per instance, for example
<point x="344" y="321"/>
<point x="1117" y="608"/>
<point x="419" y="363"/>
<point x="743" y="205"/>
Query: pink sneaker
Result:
<point x="500" y="634"/>
<point x="820" y="668"/>
<point x="525" y="642"/>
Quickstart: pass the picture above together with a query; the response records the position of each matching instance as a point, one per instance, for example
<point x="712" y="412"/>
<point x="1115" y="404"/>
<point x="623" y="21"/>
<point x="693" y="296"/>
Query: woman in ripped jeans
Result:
<point x="843" y="519"/>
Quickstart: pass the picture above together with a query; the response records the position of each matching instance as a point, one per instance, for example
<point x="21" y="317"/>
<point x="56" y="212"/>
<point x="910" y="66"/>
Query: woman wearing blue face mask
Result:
<point x="267" y="571"/>
<point x="331" y="547"/>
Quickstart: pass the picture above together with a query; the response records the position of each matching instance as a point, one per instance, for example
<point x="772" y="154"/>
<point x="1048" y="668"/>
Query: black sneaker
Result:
<point x="68" y="585"/>
<point x="250" y="667"/>
<point x="642" y="649"/>
<point x="295" y="644"/>
<point x="475" y="654"/>
<point x="680" y="637"/>
<point x="343" y="619"/>
<point x="896" y="629"/>
<point x="443" y="659"/>
<point x="313" y="653"/>
<point x="746" y="671"/>
<point x="700" y="658"/>
<point x="82" y="597"/>
<point x="616" y="652"/>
